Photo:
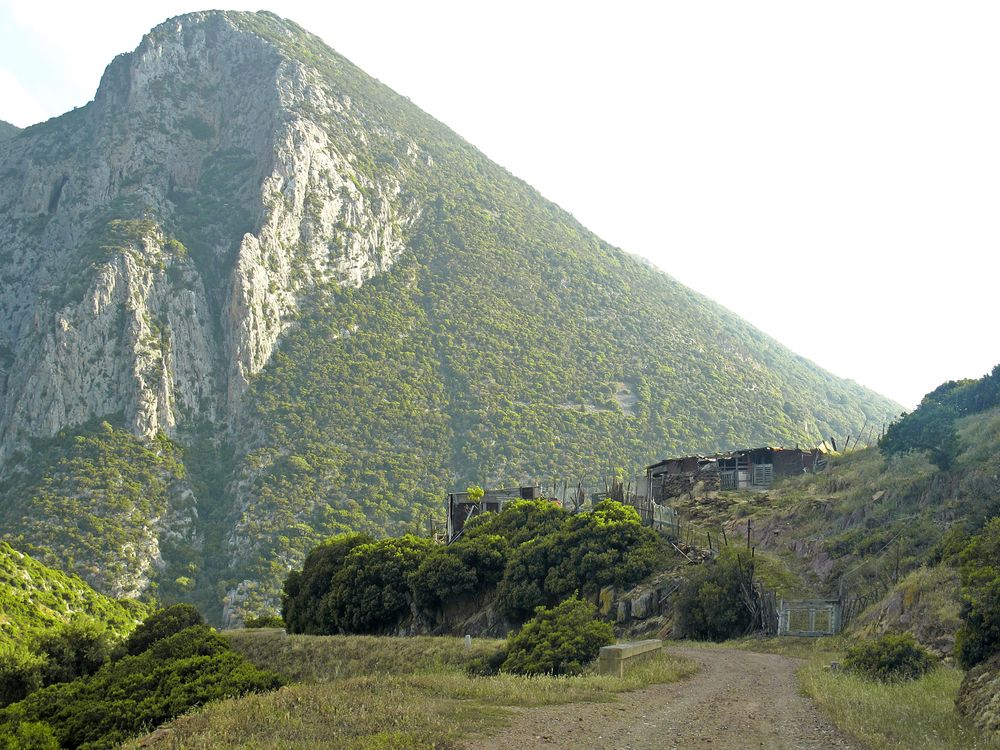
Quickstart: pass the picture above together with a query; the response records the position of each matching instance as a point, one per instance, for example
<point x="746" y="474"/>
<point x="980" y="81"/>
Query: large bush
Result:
<point x="561" y="640"/>
<point x="440" y="577"/>
<point x="890" y="657"/>
<point x="60" y="654"/>
<point x="711" y="604"/>
<point x="979" y="637"/>
<point x="137" y="692"/>
<point x="161" y="625"/>
<point x="371" y="591"/>
<point x="589" y="550"/>
<point x="305" y="590"/>
<point x="20" y="672"/>
<point x="533" y="553"/>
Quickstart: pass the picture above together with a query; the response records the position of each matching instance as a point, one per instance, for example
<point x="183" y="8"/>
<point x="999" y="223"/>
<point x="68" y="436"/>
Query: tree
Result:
<point x="979" y="637"/>
<point x="305" y="590"/>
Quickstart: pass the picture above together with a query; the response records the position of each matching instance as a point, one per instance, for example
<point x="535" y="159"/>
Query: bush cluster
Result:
<point x="181" y="665"/>
<point x="560" y="640"/>
<point x="931" y="426"/>
<point x="979" y="637"/>
<point x="891" y="657"/>
<point x="532" y="554"/>
<point x="65" y="652"/>
<point x="711" y="605"/>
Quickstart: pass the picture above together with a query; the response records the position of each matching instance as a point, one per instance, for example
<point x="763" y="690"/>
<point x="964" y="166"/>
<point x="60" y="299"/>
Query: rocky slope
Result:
<point x="301" y="304"/>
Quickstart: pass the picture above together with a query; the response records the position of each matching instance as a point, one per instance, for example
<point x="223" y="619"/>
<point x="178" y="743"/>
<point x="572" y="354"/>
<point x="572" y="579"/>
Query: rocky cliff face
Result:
<point x="246" y="203"/>
<point x="158" y="241"/>
<point x="300" y="305"/>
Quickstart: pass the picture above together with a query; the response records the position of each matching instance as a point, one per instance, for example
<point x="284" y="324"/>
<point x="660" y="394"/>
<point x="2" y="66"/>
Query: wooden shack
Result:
<point x="740" y="469"/>
<point x="461" y="507"/>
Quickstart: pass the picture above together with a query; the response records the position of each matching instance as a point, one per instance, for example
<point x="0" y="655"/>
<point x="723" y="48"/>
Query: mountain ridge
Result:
<point x="332" y="308"/>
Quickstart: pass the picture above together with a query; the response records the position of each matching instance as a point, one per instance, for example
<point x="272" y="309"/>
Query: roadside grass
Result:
<point x="917" y="715"/>
<point x="321" y="658"/>
<point x="428" y="703"/>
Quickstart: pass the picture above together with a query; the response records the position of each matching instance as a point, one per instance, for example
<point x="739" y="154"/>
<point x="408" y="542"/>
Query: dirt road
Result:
<point x="738" y="700"/>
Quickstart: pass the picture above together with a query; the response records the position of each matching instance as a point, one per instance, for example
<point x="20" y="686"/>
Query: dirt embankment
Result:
<point x="738" y="700"/>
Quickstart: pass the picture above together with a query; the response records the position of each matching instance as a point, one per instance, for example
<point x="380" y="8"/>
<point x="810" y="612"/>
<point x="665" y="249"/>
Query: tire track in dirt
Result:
<point x="738" y="700"/>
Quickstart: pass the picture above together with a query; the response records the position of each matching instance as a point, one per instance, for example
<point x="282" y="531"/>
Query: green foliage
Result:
<point x="305" y="591"/>
<point x="21" y="672"/>
<point x="583" y="553"/>
<point x="35" y="598"/>
<point x="979" y="637"/>
<point x="370" y="593"/>
<point x="28" y="735"/>
<point x="441" y="576"/>
<point x="931" y="426"/>
<point x="561" y="640"/>
<point x="710" y="605"/>
<point x="162" y="624"/>
<point x="91" y="500"/>
<point x="75" y="649"/>
<point x="890" y="657"/>
<point x="183" y="670"/>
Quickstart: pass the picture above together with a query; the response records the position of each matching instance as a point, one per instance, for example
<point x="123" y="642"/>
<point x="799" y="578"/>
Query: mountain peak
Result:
<point x="253" y="297"/>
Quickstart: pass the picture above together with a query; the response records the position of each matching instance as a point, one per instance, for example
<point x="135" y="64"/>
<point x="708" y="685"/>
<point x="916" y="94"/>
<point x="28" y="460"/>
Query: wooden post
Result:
<point x="748" y="533"/>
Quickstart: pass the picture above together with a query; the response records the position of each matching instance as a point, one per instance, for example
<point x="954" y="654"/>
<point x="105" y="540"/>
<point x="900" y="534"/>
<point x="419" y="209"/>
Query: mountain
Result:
<point x="252" y="297"/>
<point x="7" y="130"/>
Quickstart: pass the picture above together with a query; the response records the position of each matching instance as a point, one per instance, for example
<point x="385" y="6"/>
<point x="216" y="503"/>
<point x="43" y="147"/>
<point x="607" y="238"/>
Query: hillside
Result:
<point x="34" y="597"/>
<point x="252" y="297"/>
<point x="881" y="527"/>
<point x="7" y="130"/>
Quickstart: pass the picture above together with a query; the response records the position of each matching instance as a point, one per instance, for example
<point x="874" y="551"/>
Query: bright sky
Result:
<point x="829" y="171"/>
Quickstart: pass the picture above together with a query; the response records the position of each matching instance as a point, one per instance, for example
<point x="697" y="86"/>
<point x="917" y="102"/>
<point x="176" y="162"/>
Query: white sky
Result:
<point x="829" y="171"/>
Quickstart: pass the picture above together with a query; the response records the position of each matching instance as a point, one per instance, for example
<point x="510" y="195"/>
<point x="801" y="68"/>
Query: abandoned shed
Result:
<point x="739" y="469"/>
<point x="461" y="507"/>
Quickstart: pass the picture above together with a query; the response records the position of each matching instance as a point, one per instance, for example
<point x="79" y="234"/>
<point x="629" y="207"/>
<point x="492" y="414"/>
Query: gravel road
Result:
<point x="738" y="700"/>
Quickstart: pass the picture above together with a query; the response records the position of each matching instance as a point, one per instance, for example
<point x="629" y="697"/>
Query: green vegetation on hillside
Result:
<point x="181" y="666"/>
<point x="506" y="343"/>
<point x="94" y="496"/>
<point x="34" y="598"/>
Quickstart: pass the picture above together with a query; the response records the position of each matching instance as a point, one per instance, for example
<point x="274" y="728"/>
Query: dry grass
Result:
<point x="321" y="658"/>
<point x="918" y="715"/>
<point x="428" y="703"/>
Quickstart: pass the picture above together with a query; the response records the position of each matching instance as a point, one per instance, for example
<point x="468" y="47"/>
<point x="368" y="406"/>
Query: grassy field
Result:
<point x="917" y="715"/>
<point x="363" y="693"/>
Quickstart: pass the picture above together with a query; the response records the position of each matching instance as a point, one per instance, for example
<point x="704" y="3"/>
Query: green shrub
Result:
<point x="561" y="640"/>
<point x="710" y="605"/>
<point x="890" y="657"/>
<point x="440" y="577"/>
<point x="305" y="590"/>
<point x="27" y="735"/>
<point x="979" y="637"/>
<point x="160" y="625"/>
<point x="585" y="552"/>
<point x="371" y="591"/>
<point x="138" y="692"/>
<point x="21" y="672"/>
<point x="76" y="649"/>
